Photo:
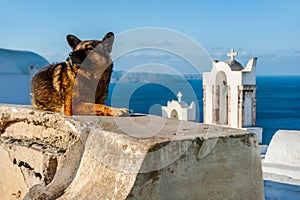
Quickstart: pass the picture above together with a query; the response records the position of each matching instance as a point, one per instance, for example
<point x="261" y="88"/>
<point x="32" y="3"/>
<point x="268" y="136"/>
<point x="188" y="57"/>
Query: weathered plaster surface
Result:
<point x="49" y="156"/>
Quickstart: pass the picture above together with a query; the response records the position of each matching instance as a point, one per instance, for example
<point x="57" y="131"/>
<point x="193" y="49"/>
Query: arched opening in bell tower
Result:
<point x="174" y="114"/>
<point x="221" y="99"/>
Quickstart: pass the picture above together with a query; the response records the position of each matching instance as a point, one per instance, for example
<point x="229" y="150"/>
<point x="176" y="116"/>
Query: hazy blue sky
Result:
<point x="267" y="29"/>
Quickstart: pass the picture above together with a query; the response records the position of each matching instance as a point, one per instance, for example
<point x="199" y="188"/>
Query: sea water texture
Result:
<point x="278" y="100"/>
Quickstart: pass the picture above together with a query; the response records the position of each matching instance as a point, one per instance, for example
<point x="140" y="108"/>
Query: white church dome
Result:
<point x="20" y="62"/>
<point x="234" y="65"/>
<point x="183" y="104"/>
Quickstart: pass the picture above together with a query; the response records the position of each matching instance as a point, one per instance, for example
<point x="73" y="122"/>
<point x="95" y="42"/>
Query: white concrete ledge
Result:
<point x="47" y="156"/>
<point x="282" y="160"/>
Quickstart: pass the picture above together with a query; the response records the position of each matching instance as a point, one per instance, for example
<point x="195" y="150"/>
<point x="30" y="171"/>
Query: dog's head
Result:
<point x="94" y="52"/>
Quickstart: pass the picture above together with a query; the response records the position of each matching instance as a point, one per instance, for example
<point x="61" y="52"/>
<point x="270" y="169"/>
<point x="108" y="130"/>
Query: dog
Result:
<point x="79" y="85"/>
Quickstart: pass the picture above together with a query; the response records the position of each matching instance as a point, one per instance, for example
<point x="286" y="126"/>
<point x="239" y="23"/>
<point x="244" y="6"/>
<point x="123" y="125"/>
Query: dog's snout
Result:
<point x="71" y="53"/>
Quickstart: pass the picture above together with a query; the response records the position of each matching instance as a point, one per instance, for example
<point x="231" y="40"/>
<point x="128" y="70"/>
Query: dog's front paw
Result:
<point x="120" y="112"/>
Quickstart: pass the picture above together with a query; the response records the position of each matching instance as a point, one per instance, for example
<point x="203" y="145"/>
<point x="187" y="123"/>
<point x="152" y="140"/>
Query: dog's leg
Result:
<point x="68" y="103"/>
<point x="99" y="109"/>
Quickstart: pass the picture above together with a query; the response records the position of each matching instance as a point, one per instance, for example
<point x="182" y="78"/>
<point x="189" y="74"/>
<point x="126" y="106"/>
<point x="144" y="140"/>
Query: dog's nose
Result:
<point x="71" y="53"/>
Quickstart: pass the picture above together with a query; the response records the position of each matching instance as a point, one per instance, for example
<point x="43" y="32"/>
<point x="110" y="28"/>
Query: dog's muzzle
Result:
<point x="76" y="58"/>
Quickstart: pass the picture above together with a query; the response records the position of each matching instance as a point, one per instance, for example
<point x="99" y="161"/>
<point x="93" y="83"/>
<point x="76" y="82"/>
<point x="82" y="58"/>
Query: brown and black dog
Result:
<point x="79" y="85"/>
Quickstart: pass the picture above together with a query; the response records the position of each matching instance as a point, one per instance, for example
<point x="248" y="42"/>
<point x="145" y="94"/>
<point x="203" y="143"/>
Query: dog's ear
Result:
<point x="73" y="41"/>
<point x="108" y="41"/>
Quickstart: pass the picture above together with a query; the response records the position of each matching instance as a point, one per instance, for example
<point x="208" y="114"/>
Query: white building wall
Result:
<point x="184" y="114"/>
<point x="192" y="112"/>
<point x="249" y="73"/>
<point x="234" y="106"/>
<point x="249" y="78"/>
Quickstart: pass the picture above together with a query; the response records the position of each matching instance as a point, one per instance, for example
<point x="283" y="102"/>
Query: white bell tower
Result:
<point x="180" y="109"/>
<point x="229" y="94"/>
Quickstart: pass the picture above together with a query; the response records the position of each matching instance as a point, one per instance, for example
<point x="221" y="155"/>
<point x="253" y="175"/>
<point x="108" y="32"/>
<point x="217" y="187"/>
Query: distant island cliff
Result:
<point x="122" y="76"/>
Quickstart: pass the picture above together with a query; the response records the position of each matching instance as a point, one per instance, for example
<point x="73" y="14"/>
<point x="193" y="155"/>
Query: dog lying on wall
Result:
<point x="79" y="85"/>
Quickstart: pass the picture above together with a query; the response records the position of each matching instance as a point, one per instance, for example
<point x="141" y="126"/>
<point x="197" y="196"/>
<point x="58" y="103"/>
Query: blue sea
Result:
<point x="278" y="100"/>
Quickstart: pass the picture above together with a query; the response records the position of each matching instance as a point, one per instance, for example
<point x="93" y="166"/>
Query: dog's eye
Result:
<point x="89" y="48"/>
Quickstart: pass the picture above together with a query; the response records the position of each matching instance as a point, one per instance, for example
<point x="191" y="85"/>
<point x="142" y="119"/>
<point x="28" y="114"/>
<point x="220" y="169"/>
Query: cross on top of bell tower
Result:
<point x="179" y="95"/>
<point x="231" y="54"/>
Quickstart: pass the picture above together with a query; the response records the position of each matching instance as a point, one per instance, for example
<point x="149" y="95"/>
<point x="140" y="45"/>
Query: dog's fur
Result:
<point x="79" y="85"/>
